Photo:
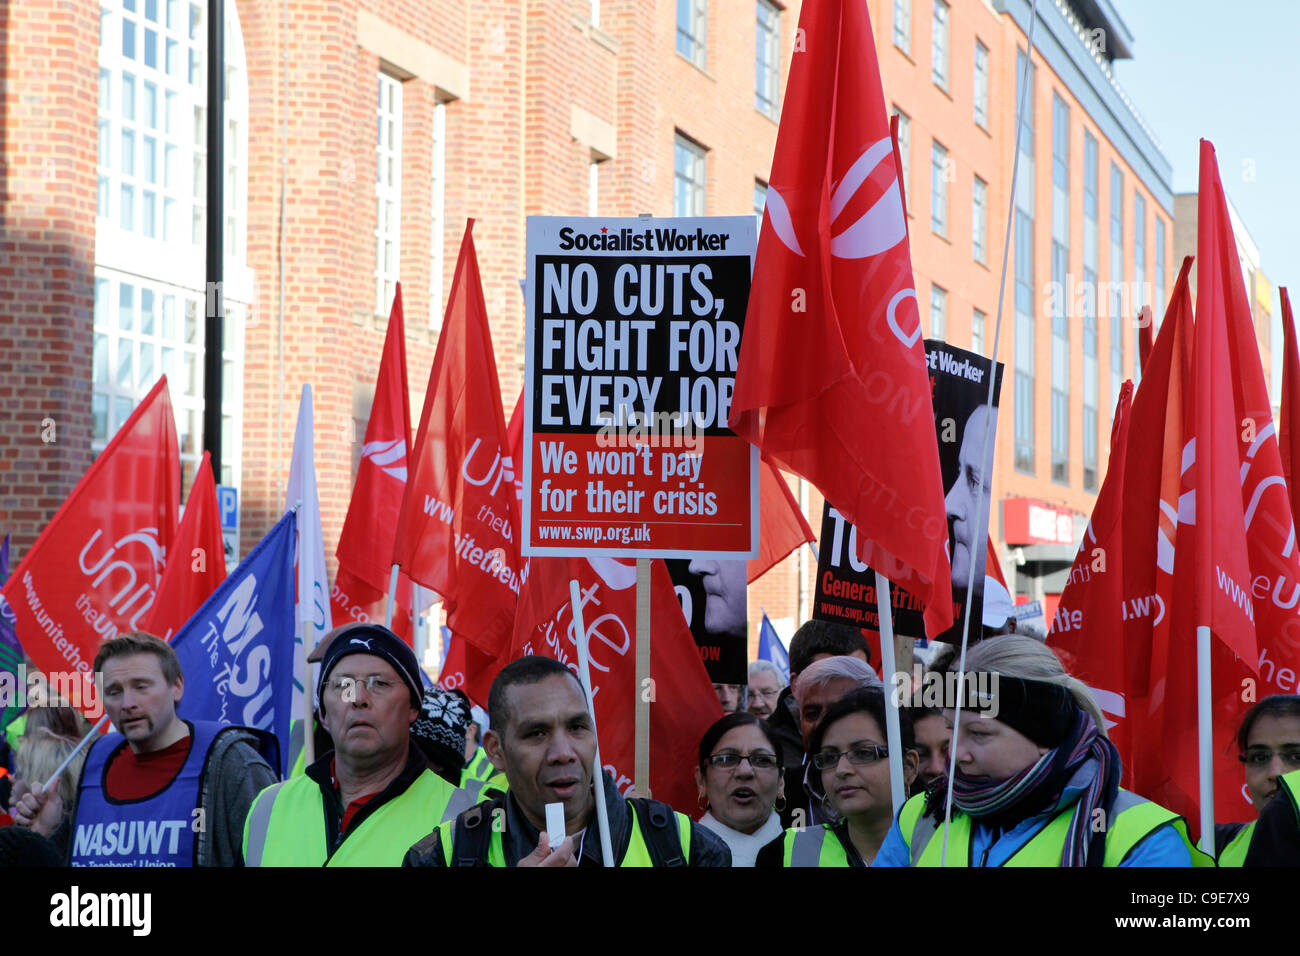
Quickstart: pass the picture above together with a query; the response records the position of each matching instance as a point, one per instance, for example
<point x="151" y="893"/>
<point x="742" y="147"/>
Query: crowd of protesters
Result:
<point x="412" y="775"/>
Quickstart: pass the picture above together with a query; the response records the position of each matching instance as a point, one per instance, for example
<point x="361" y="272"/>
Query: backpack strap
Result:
<point x="472" y="835"/>
<point x="661" y="831"/>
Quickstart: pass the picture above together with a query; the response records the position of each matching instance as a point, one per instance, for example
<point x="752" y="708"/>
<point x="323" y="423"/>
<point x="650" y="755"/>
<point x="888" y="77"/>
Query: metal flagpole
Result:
<point x="893" y="732"/>
<point x="980" y="529"/>
<point x="598" y="772"/>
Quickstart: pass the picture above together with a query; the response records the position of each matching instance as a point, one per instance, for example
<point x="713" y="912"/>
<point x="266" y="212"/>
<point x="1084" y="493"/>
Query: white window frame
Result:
<point x="903" y="25"/>
<point x="388" y="190"/>
<point x="696" y="182"/>
<point x="979" y="220"/>
<point x="694" y="32"/>
<point x="981" y="86"/>
<point x="940" y="60"/>
<point x="767" y="58"/>
<point x="938" y="189"/>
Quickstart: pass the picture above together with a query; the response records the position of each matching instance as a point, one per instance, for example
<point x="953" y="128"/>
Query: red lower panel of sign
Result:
<point x="611" y="493"/>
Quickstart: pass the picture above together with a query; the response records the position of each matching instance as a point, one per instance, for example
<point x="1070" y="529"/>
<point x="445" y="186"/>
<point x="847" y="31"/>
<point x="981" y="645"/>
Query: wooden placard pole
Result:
<point x="641" y="771"/>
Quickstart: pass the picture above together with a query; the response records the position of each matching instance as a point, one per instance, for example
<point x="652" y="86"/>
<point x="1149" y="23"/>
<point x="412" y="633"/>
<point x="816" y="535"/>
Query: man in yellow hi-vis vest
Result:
<point x="368" y="800"/>
<point x="542" y="738"/>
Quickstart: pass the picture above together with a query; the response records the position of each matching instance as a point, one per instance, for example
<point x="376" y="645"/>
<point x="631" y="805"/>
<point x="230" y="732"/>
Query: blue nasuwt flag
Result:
<point x="236" y="652"/>
<point x="771" y="649"/>
<point x="11" y="652"/>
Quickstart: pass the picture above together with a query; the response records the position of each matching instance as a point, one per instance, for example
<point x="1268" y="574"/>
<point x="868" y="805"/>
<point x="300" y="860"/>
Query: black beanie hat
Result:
<point x="367" y="638"/>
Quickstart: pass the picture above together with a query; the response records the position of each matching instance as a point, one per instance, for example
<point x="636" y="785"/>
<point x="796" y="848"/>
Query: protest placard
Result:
<point x="845" y="590"/>
<point x="633" y="336"/>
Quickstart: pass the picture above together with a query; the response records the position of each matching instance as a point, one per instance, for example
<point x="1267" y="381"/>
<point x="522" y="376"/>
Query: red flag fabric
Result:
<point x="196" y="564"/>
<point x="992" y="566"/>
<point x="1146" y="335"/>
<point x="1087" y="629"/>
<point x="782" y="523"/>
<point x="1236" y="552"/>
<point x="365" y="549"/>
<point x="94" y="570"/>
<point x="457" y="531"/>
<point x="832" y="381"/>
<point x="687" y="704"/>
<point x="1289" y="425"/>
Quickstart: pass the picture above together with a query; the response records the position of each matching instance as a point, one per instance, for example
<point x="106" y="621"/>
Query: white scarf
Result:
<point x="744" y="846"/>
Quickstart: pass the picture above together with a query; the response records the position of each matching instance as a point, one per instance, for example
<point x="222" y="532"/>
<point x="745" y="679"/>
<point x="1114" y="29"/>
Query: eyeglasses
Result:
<point x="346" y="687"/>
<point x="1262" y="758"/>
<point x="759" y="760"/>
<point x="858" y="754"/>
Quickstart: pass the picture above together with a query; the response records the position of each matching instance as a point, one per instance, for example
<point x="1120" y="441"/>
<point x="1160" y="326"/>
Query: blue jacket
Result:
<point x="1164" y="847"/>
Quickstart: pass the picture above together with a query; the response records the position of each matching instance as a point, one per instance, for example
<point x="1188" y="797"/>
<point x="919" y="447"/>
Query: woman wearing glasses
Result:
<point x="739" y="780"/>
<point x="850" y="776"/>
<point x="1269" y="744"/>
<point x="1035" y="776"/>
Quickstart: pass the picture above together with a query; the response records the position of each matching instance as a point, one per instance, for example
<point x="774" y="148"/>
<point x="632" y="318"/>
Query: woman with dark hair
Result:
<point x="850" y="776"/>
<point x="1268" y="742"/>
<point x="739" y="779"/>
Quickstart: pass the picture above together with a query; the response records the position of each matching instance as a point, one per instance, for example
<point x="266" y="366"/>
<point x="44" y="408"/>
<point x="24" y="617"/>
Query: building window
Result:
<point x="1117" y="297"/>
<point x="939" y="190"/>
<point x="903" y="25"/>
<point x="1091" y="366"/>
<point x="151" y="165"/>
<point x="388" y="192"/>
<point x="1024" y="261"/>
<point x="767" y="58"/>
<point x="1140" y="297"/>
<point x="939" y="46"/>
<point x="981" y="85"/>
<point x="688" y="177"/>
<point x="760" y="201"/>
<point x="438" y="214"/>
<point x="978" y="342"/>
<point x="690" y="30"/>
<point x="938" y="313"/>
<point x="1060" y="283"/>
<point x="1159" y="301"/>
<point x="979" y="220"/>
<point x="905" y="152"/>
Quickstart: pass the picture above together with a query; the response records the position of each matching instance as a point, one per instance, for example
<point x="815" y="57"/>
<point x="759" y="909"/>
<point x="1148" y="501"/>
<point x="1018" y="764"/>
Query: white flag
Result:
<point x="313" y="601"/>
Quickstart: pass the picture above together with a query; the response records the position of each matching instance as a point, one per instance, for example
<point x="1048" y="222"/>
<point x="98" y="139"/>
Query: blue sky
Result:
<point x="1228" y="72"/>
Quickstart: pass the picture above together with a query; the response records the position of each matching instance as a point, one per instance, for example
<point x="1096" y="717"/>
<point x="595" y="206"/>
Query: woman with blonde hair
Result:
<point x="1037" y="780"/>
<point x="40" y="752"/>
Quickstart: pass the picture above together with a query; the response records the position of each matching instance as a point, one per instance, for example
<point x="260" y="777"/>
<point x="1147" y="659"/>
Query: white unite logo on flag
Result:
<point x="878" y="230"/>
<point x="388" y="456"/>
<point x="143" y="597"/>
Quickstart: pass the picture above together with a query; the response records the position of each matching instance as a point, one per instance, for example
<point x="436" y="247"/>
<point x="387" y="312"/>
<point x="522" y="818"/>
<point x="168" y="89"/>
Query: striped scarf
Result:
<point x="1040" y="786"/>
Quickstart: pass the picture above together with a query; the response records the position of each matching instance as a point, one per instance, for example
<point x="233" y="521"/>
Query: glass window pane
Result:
<point x="122" y="409"/>
<point x="147" y="364"/>
<point x="99" y="410"/>
<point x="170" y="114"/>
<point x="126" y="307"/>
<point x="169" y="167"/>
<point x="124" y="363"/>
<point x="151" y="10"/>
<point x="101" y="203"/>
<point x="191" y="322"/>
<point x="128" y="38"/>
<point x="191" y="384"/>
<point x="128" y="96"/>
<point x="196" y="19"/>
<point x="174" y="8"/>
<point x="105" y="91"/>
<point x="150" y="150"/>
<point x="169" y="219"/>
<point x="168" y="330"/>
<point x="101" y="359"/>
<point x="169" y="364"/>
<point x="105" y="147"/>
<point x="128" y="152"/>
<point x="151" y="49"/>
<point x="127" y="211"/>
<point x="146" y="311"/>
<point x="151" y="105"/>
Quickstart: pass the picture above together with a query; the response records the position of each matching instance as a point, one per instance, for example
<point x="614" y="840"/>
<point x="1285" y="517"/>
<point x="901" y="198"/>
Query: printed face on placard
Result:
<point x="969" y="495"/>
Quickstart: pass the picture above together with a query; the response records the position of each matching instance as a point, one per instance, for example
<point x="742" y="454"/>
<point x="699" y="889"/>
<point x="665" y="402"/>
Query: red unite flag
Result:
<point x="832" y="381"/>
<point x="1289" y="426"/>
<point x="94" y="571"/>
<point x="457" y="533"/>
<point x="1236" y="551"/>
<point x="1087" y="629"/>
<point x="783" y="525"/>
<point x="365" y="550"/>
<point x="196" y="563"/>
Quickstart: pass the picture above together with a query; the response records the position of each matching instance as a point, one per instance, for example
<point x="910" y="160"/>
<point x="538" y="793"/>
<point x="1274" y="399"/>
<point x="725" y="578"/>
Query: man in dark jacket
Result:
<point x="542" y="738"/>
<point x="814" y="641"/>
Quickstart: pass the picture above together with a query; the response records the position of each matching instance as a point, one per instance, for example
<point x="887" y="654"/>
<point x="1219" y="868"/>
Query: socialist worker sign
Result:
<point x="633" y="337"/>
